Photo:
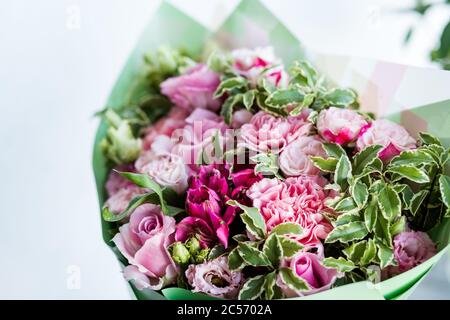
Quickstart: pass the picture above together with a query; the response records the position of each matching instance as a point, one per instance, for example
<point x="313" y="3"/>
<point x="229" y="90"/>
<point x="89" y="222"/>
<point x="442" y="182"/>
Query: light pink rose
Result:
<point x="120" y="200"/>
<point x="195" y="89"/>
<point x="267" y="133"/>
<point x="214" y="278"/>
<point x="300" y="200"/>
<point x="116" y="182"/>
<point x="276" y="77"/>
<point x="295" y="158"/>
<point x="250" y="63"/>
<point x="240" y="118"/>
<point x="412" y="248"/>
<point x="167" y="169"/>
<point x="392" y="136"/>
<point x="143" y="242"/>
<point x="308" y="267"/>
<point x="165" y="126"/>
<point x="339" y="125"/>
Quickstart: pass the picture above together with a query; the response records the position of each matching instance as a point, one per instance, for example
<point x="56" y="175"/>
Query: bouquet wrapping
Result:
<point x="412" y="97"/>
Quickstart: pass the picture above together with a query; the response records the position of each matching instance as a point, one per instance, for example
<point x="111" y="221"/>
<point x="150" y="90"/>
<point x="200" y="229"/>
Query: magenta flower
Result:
<point x="213" y="176"/>
<point x="195" y="89"/>
<point x="192" y="226"/>
<point x="242" y="181"/>
<point x="412" y="248"/>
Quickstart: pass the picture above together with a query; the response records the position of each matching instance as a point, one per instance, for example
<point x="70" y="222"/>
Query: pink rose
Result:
<point x="300" y="200"/>
<point x="308" y="267"/>
<point x="165" y="126"/>
<point x="116" y="182"/>
<point x="215" y="279"/>
<point x="339" y="125"/>
<point x="412" y="248"/>
<point x="143" y="242"/>
<point x="166" y="169"/>
<point x="295" y="158"/>
<point x="392" y="136"/>
<point x="240" y="118"/>
<point x="195" y="89"/>
<point x="267" y="133"/>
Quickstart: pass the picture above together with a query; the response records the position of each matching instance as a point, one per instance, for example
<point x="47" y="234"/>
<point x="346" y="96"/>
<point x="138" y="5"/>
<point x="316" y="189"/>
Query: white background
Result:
<point x="58" y="61"/>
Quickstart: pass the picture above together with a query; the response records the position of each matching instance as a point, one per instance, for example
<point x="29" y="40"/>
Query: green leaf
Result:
<point x="253" y="256"/>
<point x="398" y="226"/>
<point x="304" y="74"/>
<point x="365" y="157"/>
<point x="270" y="285"/>
<point x="347" y="232"/>
<point x="343" y="171"/>
<point x="376" y="166"/>
<point x="267" y="164"/>
<point x="227" y="108"/>
<point x="251" y="227"/>
<point x="444" y="187"/>
<point x="427" y="139"/>
<point x="134" y="203"/>
<point x="411" y="158"/>
<point x="249" y="99"/>
<point x="326" y="165"/>
<point x="282" y="98"/>
<point x="230" y="84"/>
<point x="417" y="200"/>
<point x="360" y="193"/>
<point x="235" y="261"/>
<point x="252" y="289"/>
<point x="255" y="220"/>
<point x="356" y="251"/>
<point x="347" y="217"/>
<point x="370" y="215"/>
<point x="307" y="101"/>
<point x="287" y="228"/>
<point x="340" y="97"/>
<point x="383" y="231"/>
<point x="290" y="246"/>
<point x="339" y="264"/>
<point x="369" y="254"/>
<point x="293" y="281"/>
<point x="411" y="173"/>
<point x="334" y="150"/>
<point x="345" y="205"/>
<point x="273" y="250"/>
<point x="389" y="203"/>
<point x="407" y="195"/>
<point x="385" y="254"/>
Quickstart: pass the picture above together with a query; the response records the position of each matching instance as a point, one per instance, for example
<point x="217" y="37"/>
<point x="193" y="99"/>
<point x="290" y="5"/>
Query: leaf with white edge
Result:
<point x="266" y="163"/>
<point x="370" y="215"/>
<point x="325" y="165"/>
<point x="340" y="97"/>
<point x="251" y="227"/>
<point x="411" y="173"/>
<point x="293" y="281"/>
<point x="385" y="254"/>
<point x="343" y="171"/>
<point x="383" y="230"/>
<point x="240" y="238"/>
<point x="216" y="252"/>
<point x="376" y="187"/>
<point x="334" y="150"/>
<point x="253" y="256"/>
<point x="427" y="139"/>
<point x="304" y="74"/>
<point x="273" y="250"/>
<point x="435" y="151"/>
<point x="398" y="226"/>
<point x="345" y="205"/>
<point x="227" y="107"/>
<point x="376" y="166"/>
<point x="365" y="157"/>
<point x="444" y="187"/>
<point x="290" y="246"/>
<point x="347" y="217"/>
<point x="252" y="288"/>
<point x="407" y="194"/>
<point x="389" y="203"/>
<point x="288" y="228"/>
<point x="230" y="84"/>
<point x="347" y="232"/>
<point x="253" y="214"/>
<point x="417" y="201"/>
<point x="355" y="251"/>
<point x="284" y="97"/>
<point x="360" y="193"/>
<point x="270" y="286"/>
<point x="249" y="98"/>
<point x="339" y="264"/>
<point x="235" y="261"/>
<point x="415" y="157"/>
<point x="369" y="253"/>
<point x="447" y="213"/>
<point x="308" y="99"/>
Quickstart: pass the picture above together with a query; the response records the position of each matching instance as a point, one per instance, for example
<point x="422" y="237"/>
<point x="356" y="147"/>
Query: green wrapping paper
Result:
<point x="414" y="97"/>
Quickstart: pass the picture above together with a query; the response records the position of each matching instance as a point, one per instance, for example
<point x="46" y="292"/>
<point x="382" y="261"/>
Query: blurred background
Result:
<point x="58" y="61"/>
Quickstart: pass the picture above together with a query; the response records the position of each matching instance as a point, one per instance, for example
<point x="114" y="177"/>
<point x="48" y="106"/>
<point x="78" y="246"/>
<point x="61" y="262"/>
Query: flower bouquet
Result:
<point x="228" y="166"/>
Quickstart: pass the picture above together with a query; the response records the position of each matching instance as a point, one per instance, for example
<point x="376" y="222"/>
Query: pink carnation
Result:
<point x="393" y="137"/>
<point x="250" y="63"/>
<point x="195" y="89"/>
<point x="267" y="133"/>
<point x="339" y="125"/>
<point x="295" y="158"/>
<point x="120" y="200"/>
<point x="143" y="242"/>
<point x="240" y="118"/>
<point x="412" y="248"/>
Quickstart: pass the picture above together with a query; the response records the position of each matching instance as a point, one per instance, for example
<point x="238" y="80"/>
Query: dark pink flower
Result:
<point x="412" y="248"/>
<point x="213" y="176"/>
<point x="195" y="89"/>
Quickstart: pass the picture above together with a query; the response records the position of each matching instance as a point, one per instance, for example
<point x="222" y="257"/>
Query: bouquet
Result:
<point x="231" y="174"/>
